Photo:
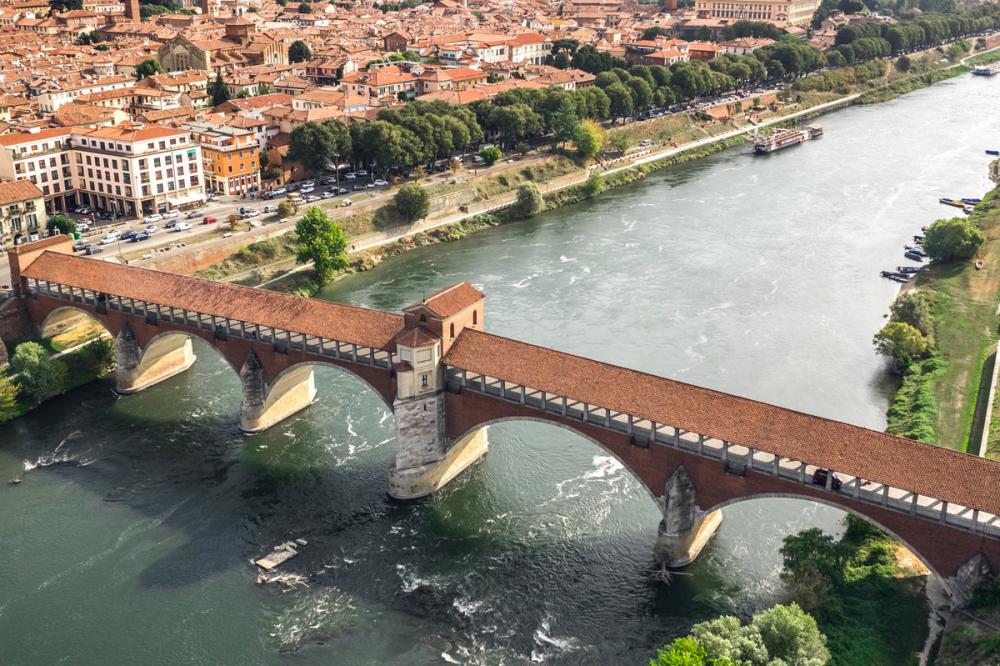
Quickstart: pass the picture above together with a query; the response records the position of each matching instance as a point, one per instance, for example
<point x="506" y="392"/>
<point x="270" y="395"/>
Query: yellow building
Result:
<point x="792" y="12"/>
<point x="231" y="158"/>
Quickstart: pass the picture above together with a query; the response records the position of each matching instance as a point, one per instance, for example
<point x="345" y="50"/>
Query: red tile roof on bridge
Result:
<point x="929" y="470"/>
<point x="361" y="326"/>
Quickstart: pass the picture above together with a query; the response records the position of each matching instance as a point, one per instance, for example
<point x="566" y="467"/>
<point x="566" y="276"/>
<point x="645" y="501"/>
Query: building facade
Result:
<point x="792" y="12"/>
<point x="22" y="211"/>
<point x="231" y="158"/>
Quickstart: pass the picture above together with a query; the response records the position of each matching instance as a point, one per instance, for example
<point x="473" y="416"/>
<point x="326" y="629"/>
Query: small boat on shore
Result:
<point x="914" y="255"/>
<point x="992" y="152"/>
<point x="970" y="200"/>
<point x="987" y="70"/>
<point x="895" y="277"/>
<point x="957" y="203"/>
<point x="908" y="270"/>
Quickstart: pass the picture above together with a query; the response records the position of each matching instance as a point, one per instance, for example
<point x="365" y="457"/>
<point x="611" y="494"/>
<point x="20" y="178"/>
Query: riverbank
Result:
<point x="375" y="233"/>
<point x="938" y="397"/>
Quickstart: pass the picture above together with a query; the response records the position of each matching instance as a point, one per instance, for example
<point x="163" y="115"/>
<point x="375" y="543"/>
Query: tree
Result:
<point x="65" y="5"/>
<point x="286" y="209"/>
<point x="589" y="138"/>
<point x="311" y="145"/>
<point x="321" y="241"/>
<point x="529" y="201"/>
<point x="594" y="184"/>
<point x="148" y="67"/>
<point x="953" y="240"/>
<point x="8" y="398"/>
<point x="412" y="202"/>
<point x="39" y="376"/>
<point x="564" y="121"/>
<point x="791" y="635"/>
<point x="65" y="225"/>
<point x="684" y="651"/>
<point x="305" y="8"/>
<point x="490" y="155"/>
<point x="902" y="342"/>
<point x="218" y="90"/>
<point x="299" y="51"/>
<point x="911" y="307"/>
<point x="621" y="100"/>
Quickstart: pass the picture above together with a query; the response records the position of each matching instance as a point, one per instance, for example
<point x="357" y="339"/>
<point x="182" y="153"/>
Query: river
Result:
<point x="129" y="540"/>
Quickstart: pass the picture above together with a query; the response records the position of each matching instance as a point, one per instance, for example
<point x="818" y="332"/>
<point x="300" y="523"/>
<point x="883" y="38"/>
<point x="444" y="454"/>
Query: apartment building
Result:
<point x="792" y="12"/>
<point x="51" y="100"/>
<point x="136" y="169"/>
<point x="231" y="157"/>
<point x="22" y="211"/>
<point x="41" y="156"/>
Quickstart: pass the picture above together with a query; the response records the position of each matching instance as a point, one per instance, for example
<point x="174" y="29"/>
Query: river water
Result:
<point x="129" y="540"/>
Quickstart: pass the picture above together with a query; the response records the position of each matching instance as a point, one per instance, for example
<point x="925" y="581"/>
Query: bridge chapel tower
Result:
<point x="425" y="459"/>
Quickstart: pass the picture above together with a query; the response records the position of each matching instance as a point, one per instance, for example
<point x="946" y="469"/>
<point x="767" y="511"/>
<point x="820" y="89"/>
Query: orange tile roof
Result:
<point x="451" y="300"/>
<point x="929" y="470"/>
<point x="17" y="191"/>
<point x="369" y="328"/>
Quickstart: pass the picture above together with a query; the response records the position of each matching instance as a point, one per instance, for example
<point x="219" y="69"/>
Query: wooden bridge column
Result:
<point x="685" y="529"/>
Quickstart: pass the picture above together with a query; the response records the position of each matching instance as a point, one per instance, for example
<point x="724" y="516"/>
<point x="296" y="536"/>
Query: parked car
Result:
<point x="182" y="226"/>
<point x="380" y="183"/>
<point x="359" y="187"/>
<point x="820" y="476"/>
<point x="155" y="217"/>
<point x="369" y="185"/>
<point x="270" y="209"/>
<point x="210" y="220"/>
<point x="349" y="176"/>
<point x="313" y="198"/>
<point x="279" y="192"/>
<point x="309" y="183"/>
<point x="83" y="226"/>
<point x="170" y="215"/>
<point x="140" y="237"/>
<point x="150" y="229"/>
<point x="346" y="202"/>
<point x="249" y="212"/>
<point x="361" y="172"/>
<point x="326" y="194"/>
<point x="195" y="214"/>
<point x="342" y="190"/>
<point x="307" y="189"/>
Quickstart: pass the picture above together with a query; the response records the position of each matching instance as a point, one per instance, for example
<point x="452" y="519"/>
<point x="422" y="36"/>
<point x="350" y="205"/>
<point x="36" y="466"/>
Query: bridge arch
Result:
<point x="292" y="389"/>
<point x="896" y="534"/>
<point x="474" y="430"/>
<point x="63" y="318"/>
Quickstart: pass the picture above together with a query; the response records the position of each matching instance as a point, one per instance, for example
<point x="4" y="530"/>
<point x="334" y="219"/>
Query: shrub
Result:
<point x="529" y="201"/>
<point x="64" y="224"/>
<point x="8" y="398"/>
<point x="594" y="185"/>
<point x="286" y="209"/>
<point x="491" y="155"/>
<point x="412" y="202"/>
<point x="902" y="342"/>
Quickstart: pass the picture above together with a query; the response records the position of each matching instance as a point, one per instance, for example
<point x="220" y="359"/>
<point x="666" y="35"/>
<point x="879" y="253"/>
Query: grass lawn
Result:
<point x="76" y="336"/>
<point x="964" y="306"/>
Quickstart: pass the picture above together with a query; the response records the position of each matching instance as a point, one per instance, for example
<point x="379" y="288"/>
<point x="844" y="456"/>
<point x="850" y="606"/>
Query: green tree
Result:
<point x="311" y="145"/>
<point x="902" y="342"/>
<point x="490" y="155"/>
<point x="299" y="51"/>
<point x="65" y="5"/>
<point x="39" y="376"/>
<point x="218" y="90"/>
<point x="305" y="8"/>
<point x="791" y="635"/>
<point x="911" y="307"/>
<point x="589" y="138"/>
<point x="621" y="100"/>
<point x="148" y="67"/>
<point x="8" y="397"/>
<point x="956" y="239"/>
<point x="286" y="209"/>
<point x="64" y="224"/>
<point x="529" y="201"/>
<point x="684" y="651"/>
<point x="412" y="202"/>
<point x="594" y="184"/>
<point x="321" y="241"/>
<point x="564" y="121"/>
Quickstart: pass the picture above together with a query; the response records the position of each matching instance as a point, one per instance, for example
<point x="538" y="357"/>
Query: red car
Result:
<point x="209" y="220"/>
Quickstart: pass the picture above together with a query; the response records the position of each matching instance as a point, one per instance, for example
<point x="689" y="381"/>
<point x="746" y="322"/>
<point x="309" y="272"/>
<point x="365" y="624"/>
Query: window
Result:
<point x="475" y="317"/>
<point x="423" y="380"/>
<point x="451" y="329"/>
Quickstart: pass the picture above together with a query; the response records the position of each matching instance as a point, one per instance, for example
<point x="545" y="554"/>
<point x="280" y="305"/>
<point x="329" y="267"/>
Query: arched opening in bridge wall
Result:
<point x="929" y="565"/>
<point x="165" y="355"/>
<point x="291" y="391"/>
<point x="67" y="327"/>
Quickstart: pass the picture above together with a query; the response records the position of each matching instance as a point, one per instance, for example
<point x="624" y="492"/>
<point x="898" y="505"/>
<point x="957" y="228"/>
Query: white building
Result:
<point x="51" y="100"/>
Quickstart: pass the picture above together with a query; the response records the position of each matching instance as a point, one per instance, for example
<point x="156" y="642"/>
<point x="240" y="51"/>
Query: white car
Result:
<point x="270" y="209"/>
<point x="110" y="238"/>
<point x="150" y="229"/>
<point x="182" y="226"/>
<point x="171" y="215"/>
<point x="346" y="202"/>
<point x="250" y="212"/>
<point x="381" y="183"/>
<point x="307" y="189"/>
<point x="155" y="217"/>
<point x="83" y="226"/>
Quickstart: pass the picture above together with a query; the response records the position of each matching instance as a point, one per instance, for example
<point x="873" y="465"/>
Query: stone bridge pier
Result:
<point x="164" y="356"/>
<point x="685" y="528"/>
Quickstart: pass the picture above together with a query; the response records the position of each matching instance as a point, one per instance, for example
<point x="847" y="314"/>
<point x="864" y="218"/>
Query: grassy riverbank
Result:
<point x="937" y="399"/>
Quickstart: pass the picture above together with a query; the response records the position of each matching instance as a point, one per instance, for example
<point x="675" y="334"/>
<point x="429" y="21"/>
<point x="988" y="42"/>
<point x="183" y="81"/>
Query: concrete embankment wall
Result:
<point x="191" y="261"/>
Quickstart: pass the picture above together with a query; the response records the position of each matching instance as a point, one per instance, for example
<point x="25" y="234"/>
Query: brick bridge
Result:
<point x="695" y="450"/>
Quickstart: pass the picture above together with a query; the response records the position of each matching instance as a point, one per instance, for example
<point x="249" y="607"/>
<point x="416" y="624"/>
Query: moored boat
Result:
<point x="987" y="70"/>
<point x="785" y="138"/>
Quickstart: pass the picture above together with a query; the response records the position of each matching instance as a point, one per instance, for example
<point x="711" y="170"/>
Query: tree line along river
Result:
<point x="129" y="540"/>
